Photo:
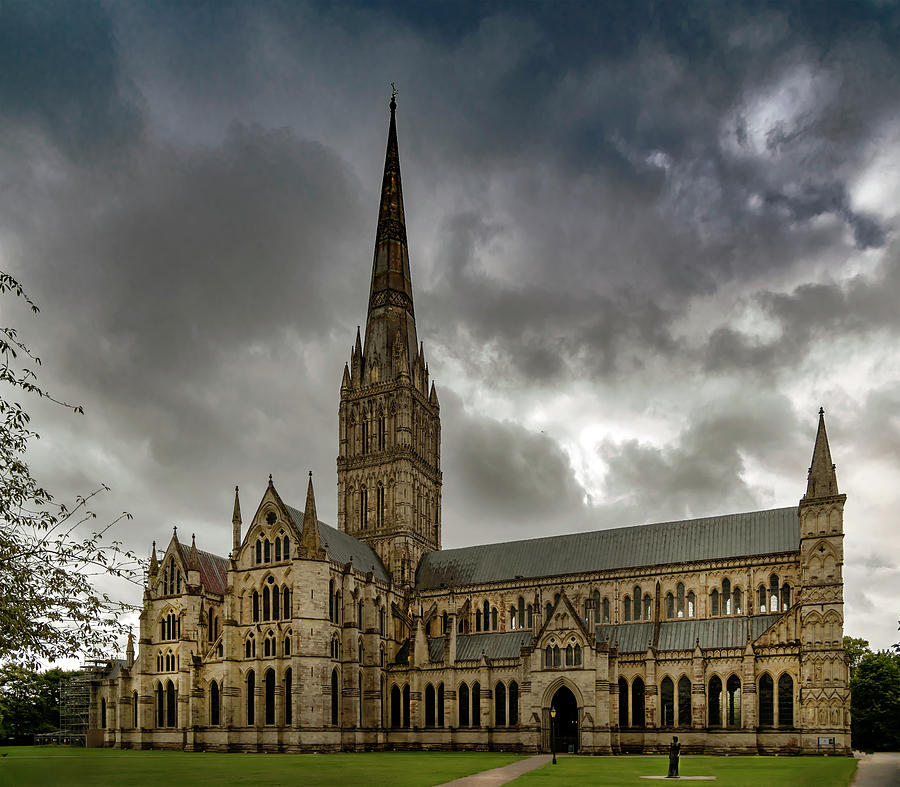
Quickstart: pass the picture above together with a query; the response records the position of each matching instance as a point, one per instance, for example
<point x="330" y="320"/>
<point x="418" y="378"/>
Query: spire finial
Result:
<point x="393" y="97"/>
<point x="270" y="479"/>
<point x="821" y="479"/>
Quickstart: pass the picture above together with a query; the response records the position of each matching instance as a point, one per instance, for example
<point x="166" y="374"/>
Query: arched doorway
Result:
<point x="566" y="725"/>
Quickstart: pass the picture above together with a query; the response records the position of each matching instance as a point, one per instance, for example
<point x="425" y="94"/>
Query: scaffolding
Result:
<point x="75" y="703"/>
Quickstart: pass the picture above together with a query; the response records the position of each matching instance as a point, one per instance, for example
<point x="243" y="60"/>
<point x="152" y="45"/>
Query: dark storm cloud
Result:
<point x="508" y="481"/>
<point x="859" y="307"/>
<point x="60" y="77"/>
<point x="191" y="193"/>
<point x="704" y="466"/>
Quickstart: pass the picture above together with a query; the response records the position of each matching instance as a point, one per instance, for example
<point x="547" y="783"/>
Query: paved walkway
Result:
<point x="498" y="776"/>
<point x="878" y="770"/>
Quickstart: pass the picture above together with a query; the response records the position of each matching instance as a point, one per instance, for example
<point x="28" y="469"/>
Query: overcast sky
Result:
<point x="647" y="242"/>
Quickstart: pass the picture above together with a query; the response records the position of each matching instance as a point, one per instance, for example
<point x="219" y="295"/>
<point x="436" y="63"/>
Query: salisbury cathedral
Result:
<point x="726" y="631"/>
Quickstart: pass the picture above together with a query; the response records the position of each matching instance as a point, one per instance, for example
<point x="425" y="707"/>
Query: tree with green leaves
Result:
<point x="875" y="702"/>
<point x="50" y="556"/>
<point x="29" y="701"/>
<point x="855" y="648"/>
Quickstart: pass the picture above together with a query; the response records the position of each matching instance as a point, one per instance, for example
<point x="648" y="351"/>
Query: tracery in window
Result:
<point x="269" y="645"/>
<point x="250" y="647"/>
<point x="379" y="505"/>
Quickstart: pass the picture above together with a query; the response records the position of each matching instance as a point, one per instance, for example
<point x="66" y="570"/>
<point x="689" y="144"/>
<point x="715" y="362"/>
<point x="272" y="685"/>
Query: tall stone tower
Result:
<point x="824" y="692"/>
<point x="389" y="467"/>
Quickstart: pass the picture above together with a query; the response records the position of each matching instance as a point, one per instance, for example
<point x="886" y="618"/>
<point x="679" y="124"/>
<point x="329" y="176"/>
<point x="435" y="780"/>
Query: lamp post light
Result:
<point x="553" y="732"/>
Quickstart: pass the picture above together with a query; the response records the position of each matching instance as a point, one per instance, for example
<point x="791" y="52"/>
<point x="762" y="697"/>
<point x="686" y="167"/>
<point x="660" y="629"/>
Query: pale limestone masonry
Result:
<point x="726" y="631"/>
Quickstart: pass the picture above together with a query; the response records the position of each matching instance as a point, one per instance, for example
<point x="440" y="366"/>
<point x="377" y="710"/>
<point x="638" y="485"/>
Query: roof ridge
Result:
<point x="613" y="529"/>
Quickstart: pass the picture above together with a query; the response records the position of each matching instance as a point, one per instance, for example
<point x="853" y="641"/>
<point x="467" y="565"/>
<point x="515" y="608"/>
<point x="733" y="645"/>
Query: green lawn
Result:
<point x="730" y="771"/>
<point x="63" y="766"/>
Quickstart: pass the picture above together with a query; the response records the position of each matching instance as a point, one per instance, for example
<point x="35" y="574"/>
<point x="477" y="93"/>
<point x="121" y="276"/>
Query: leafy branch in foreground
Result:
<point x="49" y="605"/>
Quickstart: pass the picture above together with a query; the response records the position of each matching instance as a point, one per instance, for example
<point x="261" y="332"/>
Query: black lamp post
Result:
<point x="553" y="732"/>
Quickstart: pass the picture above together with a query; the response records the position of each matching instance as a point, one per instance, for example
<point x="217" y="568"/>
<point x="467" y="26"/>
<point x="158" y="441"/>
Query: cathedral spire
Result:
<point x="822" y="481"/>
<point x="309" y="535"/>
<point x="236" y="523"/>
<point x="390" y="296"/>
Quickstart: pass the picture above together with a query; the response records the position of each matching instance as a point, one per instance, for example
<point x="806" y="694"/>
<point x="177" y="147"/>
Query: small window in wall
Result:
<point x="785" y="597"/>
<point x="679" y="599"/>
<point x="648" y="608"/>
<point x="463" y="705"/>
<point x="670" y="605"/>
<point x="762" y="598"/>
<point x="714" y="701"/>
<point x="714" y="602"/>
<point x="667" y="702"/>
<point x="335" y="711"/>
<point x="726" y="597"/>
<point x="691" y="604"/>
<point x="773" y="592"/>
<point x="500" y="705"/>
<point x="785" y="701"/>
<point x="733" y="701"/>
<point x="606" y="610"/>
<point x="214" y="704"/>
<point x="738" y="601"/>
<point x="684" y="701"/>
<point x="288" y="695"/>
<point x="626" y="607"/>
<point x="637" y="703"/>
<point x="766" y="701"/>
<point x="429" y="705"/>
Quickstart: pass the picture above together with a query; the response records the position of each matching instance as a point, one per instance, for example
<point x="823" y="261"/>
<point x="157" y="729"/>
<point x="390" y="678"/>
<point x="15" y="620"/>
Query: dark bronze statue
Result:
<point x="674" y="752"/>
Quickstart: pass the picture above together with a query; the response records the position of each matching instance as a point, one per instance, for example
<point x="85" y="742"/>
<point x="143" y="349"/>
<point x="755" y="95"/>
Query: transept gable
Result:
<point x="563" y="622"/>
<point x="272" y="519"/>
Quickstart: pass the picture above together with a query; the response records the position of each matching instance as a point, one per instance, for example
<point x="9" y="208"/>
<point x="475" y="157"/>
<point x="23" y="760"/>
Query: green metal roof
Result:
<point x="710" y="538"/>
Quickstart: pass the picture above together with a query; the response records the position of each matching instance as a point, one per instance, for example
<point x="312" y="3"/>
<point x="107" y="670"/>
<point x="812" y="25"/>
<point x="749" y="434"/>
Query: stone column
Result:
<point x="698" y="689"/>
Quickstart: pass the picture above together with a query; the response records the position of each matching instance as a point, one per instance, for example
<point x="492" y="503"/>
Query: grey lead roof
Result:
<point x="496" y="645"/>
<point x="729" y="632"/>
<point x="341" y="547"/>
<point x="710" y="538"/>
